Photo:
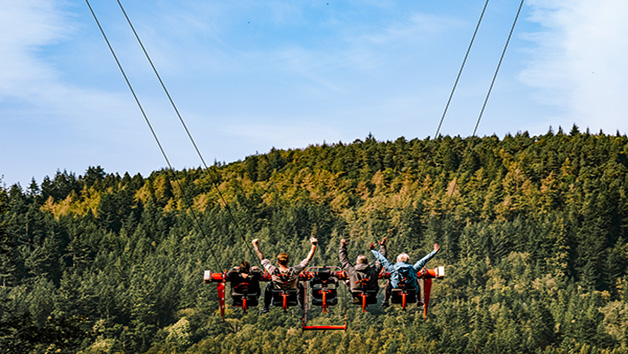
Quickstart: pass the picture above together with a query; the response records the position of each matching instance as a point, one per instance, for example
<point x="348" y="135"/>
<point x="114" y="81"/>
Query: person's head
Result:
<point x="283" y="259"/>
<point x="245" y="266"/>
<point x="362" y="260"/>
<point x="403" y="257"/>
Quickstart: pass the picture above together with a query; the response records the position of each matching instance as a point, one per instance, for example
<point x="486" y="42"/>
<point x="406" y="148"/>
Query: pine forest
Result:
<point x="532" y="231"/>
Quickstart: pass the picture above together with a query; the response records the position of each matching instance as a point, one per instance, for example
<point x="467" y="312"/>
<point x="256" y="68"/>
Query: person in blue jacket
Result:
<point x="402" y="269"/>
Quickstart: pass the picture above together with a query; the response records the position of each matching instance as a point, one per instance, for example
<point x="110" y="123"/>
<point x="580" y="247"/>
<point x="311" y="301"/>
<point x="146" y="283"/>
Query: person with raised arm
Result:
<point x="402" y="272"/>
<point x="362" y="276"/>
<point x="283" y="273"/>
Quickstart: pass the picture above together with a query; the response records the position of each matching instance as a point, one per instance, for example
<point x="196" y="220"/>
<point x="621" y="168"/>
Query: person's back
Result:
<point x="283" y="276"/>
<point x="404" y="275"/>
<point x="363" y="276"/>
<point x="402" y="272"/>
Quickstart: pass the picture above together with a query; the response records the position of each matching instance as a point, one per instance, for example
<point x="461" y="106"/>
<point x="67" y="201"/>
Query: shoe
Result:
<point x="264" y="310"/>
<point x="384" y="304"/>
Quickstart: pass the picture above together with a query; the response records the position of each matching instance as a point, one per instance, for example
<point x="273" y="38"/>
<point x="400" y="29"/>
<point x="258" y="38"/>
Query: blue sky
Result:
<point x="251" y="75"/>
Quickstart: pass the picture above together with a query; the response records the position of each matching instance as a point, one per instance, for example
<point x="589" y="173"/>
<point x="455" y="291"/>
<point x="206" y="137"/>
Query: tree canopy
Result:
<point x="532" y="230"/>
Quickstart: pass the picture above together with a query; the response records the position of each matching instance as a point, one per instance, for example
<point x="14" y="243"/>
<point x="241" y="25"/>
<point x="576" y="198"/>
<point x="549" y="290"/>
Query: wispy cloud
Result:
<point x="47" y="117"/>
<point x="26" y="27"/>
<point x="411" y="29"/>
<point x="580" y="61"/>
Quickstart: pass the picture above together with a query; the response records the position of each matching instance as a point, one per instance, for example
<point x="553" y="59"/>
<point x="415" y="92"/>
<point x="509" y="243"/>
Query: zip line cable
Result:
<point x="464" y="61"/>
<point x="126" y="79"/>
<point x="144" y="115"/>
<point x="501" y="58"/>
<point x="488" y="94"/>
<point x="196" y="146"/>
<point x="189" y="134"/>
<point x="150" y="61"/>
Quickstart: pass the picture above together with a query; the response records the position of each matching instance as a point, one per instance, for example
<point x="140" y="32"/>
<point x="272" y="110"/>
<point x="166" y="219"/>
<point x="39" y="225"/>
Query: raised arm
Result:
<point x="383" y="252"/>
<point x="257" y="251"/>
<point x="421" y="263"/>
<point x="382" y="246"/>
<point x="301" y="266"/>
<point x="342" y="254"/>
<point x="310" y="255"/>
<point x="385" y="263"/>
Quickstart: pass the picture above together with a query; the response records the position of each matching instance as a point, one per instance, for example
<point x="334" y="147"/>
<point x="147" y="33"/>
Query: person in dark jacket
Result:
<point x="362" y="276"/>
<point x="245" y="279"/>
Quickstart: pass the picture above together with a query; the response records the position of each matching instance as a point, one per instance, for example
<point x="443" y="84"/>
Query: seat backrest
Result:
<point x="371" y="295"/>
<point x="291" y="300"/>
<point x="323" y="276"/>
<point x="397" y="298"/>
<point x="251" y="301"/>
<point x="245" y="289"/>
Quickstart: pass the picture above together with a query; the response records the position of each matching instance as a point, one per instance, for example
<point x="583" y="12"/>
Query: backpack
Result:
<point x="364" y="279"/>
<point x="404" y="276"/>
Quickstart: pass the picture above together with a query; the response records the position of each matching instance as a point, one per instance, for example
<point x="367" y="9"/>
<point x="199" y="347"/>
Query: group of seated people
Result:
<point x="362" y="277"/>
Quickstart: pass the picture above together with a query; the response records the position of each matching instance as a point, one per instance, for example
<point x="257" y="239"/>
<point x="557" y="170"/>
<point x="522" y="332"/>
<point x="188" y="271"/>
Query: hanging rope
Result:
<point x="126" y="79"/>
<point x="464" y="61"/>
<point x="185" y="127"/>
<point x="162" y="84"/>
<point x="501" y="58"/>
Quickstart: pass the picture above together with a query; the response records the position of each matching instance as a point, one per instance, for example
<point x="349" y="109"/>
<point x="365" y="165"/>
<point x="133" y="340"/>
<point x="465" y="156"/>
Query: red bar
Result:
<point x="430" y="273"/>
<point x="221" y="298"/>
<point x="320" y="328"/>
<point x="427" y="288"/>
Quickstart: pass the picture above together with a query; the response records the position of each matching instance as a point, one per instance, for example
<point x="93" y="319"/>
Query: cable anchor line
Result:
<point x="185" y="127"/>
<point x="174" y="106"/>
<point x="488" y="94"/>
<point x="499" y="64"/>
<point x="146" y="119"/>
<point x="464" y="61"/>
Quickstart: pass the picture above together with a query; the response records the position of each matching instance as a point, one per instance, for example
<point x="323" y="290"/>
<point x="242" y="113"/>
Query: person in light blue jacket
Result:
<point x="402" y="271"/>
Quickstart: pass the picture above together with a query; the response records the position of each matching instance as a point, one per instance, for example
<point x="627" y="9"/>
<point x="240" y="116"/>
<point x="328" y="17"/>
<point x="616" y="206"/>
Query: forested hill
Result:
<point x="533" y="234"/>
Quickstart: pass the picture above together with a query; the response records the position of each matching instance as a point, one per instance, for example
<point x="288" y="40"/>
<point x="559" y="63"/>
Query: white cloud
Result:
<point x="414" y="28"/>
<point x="580" y="63"/>
<point x="48" y="121"/>
<point x="33" y="35"/>
<point x="25" y="27"/>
